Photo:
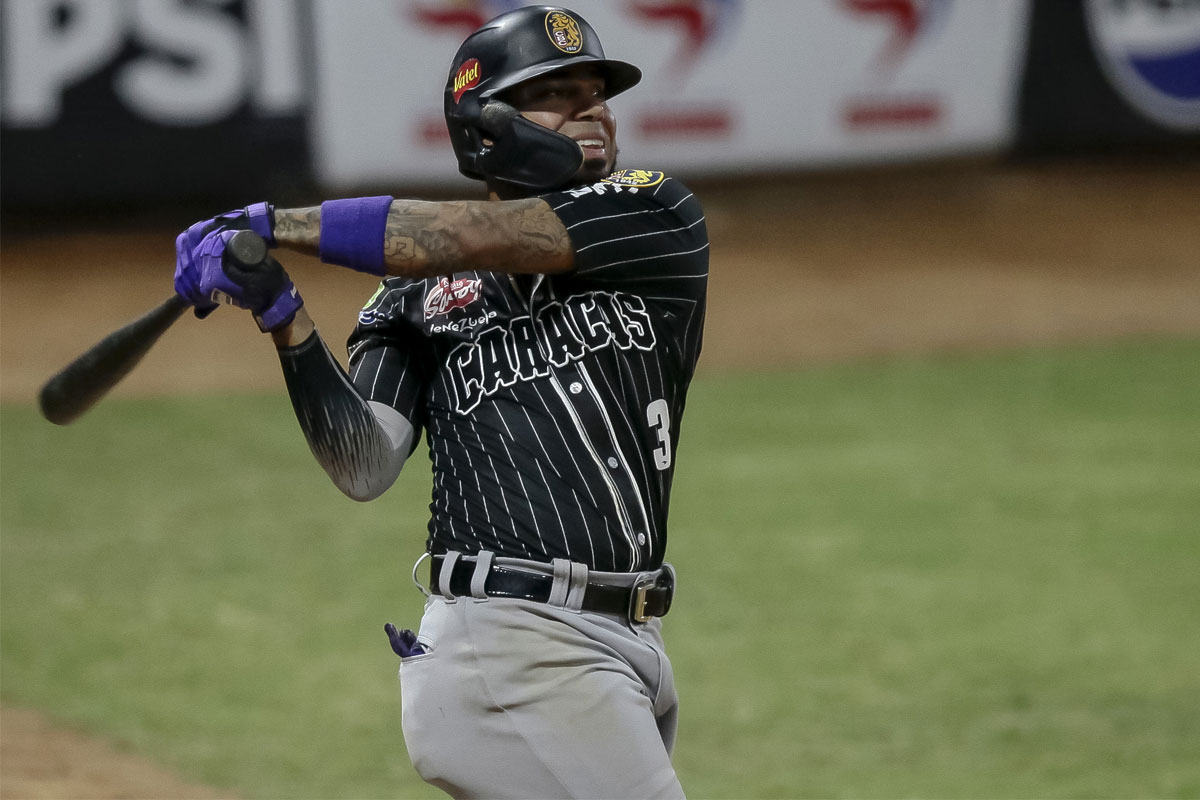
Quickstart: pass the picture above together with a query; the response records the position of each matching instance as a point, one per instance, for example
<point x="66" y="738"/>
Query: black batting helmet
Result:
<point x="505" y="51"/>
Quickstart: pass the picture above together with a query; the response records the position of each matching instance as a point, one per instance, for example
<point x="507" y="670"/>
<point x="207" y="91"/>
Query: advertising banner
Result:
<point x="141" y="101"/>
<point x="728" y="86"/>
<point x="1111" y="73"/>
<point x="108" y="101"/>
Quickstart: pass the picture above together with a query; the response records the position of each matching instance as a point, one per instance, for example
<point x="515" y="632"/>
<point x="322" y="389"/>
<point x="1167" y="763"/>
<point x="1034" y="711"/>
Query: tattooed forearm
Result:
<point x="424" y="238"/>
<point x="541" y="237"/>
<point x="517" y="236"/>
<point x="299" y="228"/>
<point x="420" y="240"/>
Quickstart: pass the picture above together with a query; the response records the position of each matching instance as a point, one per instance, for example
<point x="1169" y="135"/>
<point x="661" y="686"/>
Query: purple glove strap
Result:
<point x="352" y="233"/>
<point x="260" y="217"/>
<point x="281" y="310"/>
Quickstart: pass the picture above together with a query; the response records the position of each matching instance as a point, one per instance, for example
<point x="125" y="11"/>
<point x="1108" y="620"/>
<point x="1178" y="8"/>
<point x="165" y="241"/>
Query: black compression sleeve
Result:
<point x="340" y="427"/>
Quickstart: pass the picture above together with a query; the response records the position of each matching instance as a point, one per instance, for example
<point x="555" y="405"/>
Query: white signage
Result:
<point x="728" y="84"/>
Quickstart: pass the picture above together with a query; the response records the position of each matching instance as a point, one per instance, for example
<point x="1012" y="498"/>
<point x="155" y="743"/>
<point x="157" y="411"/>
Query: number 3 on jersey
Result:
<point x="658" y="416"/>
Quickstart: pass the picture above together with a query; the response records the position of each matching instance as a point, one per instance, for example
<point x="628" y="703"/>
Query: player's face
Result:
<point x="574" y="103"/>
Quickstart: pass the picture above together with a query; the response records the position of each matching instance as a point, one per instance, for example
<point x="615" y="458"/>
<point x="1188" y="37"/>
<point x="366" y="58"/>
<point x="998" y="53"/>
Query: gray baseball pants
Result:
<point x="519" y="699"/>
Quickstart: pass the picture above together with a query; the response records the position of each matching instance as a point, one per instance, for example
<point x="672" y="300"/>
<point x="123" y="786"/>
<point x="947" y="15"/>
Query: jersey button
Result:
<point x="613" y="463"/>
<point x="641" y="538"/>
<point x="576" y="387"/>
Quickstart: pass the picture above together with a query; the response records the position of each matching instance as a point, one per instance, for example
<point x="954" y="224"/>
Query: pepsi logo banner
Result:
<point x="1151" y="53"/>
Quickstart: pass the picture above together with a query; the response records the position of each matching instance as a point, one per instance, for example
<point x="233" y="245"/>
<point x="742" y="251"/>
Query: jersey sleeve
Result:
<point x="385" y="359"/>
<point x="638" y="231"/>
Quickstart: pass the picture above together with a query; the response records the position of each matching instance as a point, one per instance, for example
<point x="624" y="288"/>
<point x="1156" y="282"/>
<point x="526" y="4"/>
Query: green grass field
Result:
<point x="966" y="576"/>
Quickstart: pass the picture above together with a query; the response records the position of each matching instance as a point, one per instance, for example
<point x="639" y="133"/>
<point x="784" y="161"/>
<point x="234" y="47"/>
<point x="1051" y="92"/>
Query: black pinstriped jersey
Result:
<point x="552" y="404"/>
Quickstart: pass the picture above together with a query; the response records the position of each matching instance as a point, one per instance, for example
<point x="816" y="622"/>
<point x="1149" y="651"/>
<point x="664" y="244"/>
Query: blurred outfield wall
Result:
<point x="151" y="101"/>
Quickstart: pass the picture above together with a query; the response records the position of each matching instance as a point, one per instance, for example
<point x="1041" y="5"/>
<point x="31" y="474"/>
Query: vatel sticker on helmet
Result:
<point x="635" y="177"/>
<point x="564" y="32"/>
<point x="467" y="77"/>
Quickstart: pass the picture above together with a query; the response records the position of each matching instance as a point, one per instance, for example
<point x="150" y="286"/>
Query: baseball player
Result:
<point x="543" y="340"/>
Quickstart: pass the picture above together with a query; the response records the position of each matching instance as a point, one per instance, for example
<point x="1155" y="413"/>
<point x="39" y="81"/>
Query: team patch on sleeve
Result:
<point x="375" y="296"/>
<point x="635" y="177"/>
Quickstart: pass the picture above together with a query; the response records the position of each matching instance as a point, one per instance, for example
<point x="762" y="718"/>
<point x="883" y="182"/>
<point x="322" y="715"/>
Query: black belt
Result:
<point x="648" y="597"/>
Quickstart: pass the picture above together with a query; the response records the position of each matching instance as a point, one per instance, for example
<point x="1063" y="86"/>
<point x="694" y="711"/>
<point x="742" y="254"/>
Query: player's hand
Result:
<point x="266" y="290"/>
<point x="259" y="217"/>
<point x="187" y="273"/>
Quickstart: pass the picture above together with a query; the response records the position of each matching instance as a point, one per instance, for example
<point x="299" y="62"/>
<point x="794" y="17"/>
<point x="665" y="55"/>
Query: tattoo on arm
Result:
<point x="515" y="236"/>
<point x="299" y="228"/>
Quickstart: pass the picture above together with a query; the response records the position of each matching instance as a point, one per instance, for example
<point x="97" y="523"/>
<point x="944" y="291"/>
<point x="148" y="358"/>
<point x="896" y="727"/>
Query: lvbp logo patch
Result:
<point x="563" y="30"/>
<point x="1151" y="52"/>
<point x="635" y="177"/>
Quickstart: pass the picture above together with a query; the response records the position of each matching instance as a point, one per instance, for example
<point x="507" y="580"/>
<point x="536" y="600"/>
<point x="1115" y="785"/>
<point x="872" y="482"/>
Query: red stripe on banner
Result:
<point x="659" y="124"/>
<point x="432" y="132"/>
<point x="891" y="113"/>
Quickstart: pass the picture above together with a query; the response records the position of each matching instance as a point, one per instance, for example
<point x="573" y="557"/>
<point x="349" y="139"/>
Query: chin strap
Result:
<point x="524" y="153"/>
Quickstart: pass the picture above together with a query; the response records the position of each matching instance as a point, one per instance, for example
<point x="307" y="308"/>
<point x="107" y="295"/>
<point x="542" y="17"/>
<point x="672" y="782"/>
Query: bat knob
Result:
<point x="246" y="263"/>
<point x="246" y="249"/>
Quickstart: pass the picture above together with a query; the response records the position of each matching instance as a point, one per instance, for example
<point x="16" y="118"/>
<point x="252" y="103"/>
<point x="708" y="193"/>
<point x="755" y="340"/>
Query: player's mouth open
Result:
<point x="591" y="147"/>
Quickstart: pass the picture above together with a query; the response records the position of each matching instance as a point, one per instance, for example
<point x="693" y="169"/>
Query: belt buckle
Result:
<point x="637" y="600"/>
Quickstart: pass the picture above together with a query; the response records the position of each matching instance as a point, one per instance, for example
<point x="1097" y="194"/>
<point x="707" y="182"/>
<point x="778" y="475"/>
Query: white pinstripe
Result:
<point x="612" y="546"/>
<point x="654" y="257"/>
<point x="587" y="378"/>
<point x="521" y="480"/>
<point x="601" y="467"/>
<point x="640" y="236"/>
<point x="570" y="451"/>
<point x="658" y="210"/>
<point x="545" y="452"/>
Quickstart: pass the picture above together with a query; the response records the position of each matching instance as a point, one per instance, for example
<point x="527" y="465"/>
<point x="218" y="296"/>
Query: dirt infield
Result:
<point x="805" y="269"/>
<point x="39" y="761"/>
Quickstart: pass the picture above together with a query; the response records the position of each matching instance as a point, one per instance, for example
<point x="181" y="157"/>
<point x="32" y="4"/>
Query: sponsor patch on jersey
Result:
<point x="448" y="295"/>
<point x="564" y="32"/>
<point x="635" y="177"/>
<point x="467" y="77"/>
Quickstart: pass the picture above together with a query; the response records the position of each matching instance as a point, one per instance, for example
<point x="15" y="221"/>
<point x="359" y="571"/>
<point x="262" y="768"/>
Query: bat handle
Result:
<point x="247" y="250"/>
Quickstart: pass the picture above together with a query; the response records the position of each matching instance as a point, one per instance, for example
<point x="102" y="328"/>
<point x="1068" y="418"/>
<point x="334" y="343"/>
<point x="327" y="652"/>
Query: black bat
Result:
<point x="79" y="385"/>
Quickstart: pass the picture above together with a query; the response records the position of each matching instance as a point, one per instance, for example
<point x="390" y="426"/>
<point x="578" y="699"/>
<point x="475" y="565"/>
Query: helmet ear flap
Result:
<point x="467" y="142"/>
<point x="523" y="153"/>
<point x="495" y="117"/>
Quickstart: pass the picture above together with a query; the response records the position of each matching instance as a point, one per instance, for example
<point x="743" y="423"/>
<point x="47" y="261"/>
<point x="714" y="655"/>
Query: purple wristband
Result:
<point x="261" y="218"/>
<point x="352" y="233"/>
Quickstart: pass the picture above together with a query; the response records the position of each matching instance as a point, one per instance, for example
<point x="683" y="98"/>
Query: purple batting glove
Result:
<point x="265" y="289"/>
<point x="259" y="217"/>
<point x="404" y="642"/>
<point x="187" y="276"/>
